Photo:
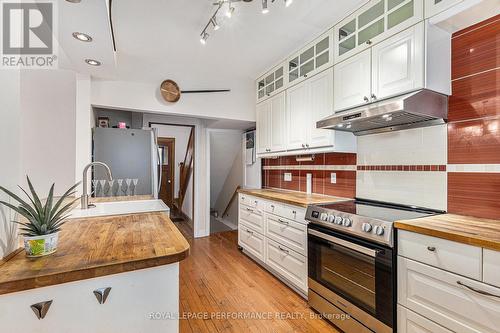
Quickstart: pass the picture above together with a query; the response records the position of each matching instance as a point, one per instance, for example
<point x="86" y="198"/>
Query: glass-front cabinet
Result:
<point x="372" y="23"/>
<point x="312" y="59"/>
<point x="433" y="7"/>
<point x="271" y="83"/>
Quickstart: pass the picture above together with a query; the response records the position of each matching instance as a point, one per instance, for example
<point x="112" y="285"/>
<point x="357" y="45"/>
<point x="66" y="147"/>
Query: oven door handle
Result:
<point x="344" y="243"/>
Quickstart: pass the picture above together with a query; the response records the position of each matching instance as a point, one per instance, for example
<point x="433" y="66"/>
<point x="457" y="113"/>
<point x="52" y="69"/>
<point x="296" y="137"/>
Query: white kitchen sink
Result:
<point x="120" y="208"/>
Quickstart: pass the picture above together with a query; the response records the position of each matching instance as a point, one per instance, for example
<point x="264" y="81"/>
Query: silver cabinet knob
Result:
<point x="102" y="294"/>
<point x="303" y="145"/>
<point x="374" y="97"/>
<point x="366" y="99"/>
<point x="431" y="248"/>
<point x="369" y="42"/>
<point x="41" y="309"/>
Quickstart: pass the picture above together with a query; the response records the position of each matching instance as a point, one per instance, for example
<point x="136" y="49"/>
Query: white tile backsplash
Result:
<point x="426" y="145"/>
<point x="424" y="189"/>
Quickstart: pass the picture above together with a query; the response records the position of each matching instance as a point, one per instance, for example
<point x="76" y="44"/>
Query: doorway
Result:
<point x="167" y="149"/>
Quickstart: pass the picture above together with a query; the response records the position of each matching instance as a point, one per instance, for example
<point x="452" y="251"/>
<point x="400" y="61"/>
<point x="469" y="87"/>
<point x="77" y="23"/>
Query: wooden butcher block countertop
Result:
<point x="292" y="198"/>
<point x="464" y="229"/>
<point x="98" y="246"/>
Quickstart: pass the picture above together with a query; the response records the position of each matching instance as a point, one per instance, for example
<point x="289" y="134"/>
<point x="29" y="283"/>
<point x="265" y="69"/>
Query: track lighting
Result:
<point x="265" y="10"/>
<point x="215" y="24"/>
<point x="204" y="37"/>
<point x="288" y="3"/>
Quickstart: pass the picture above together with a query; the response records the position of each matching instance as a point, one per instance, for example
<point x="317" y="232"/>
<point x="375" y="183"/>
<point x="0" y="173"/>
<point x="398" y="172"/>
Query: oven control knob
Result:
<point x="331" y="218"/>
<point x="379" y="231"/>
<point x="347" y="222"/>
<point x="338" y="220"/>
<point x="367" y="227"/>
<point x="324" y="217"/>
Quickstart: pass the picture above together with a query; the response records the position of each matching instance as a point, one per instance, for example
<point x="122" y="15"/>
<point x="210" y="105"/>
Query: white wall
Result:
<point x="10" y="159"/>
<point x="181" y="135"/>
<point x="225" y="145"/>
<point x="48" y="132"/>
<point x="239" y="104"/>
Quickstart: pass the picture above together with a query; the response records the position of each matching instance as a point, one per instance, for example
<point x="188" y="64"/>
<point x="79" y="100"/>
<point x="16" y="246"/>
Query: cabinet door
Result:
<point x="297" y="115"/>
<point x="398" y="63"/>
<point x="410" y="322"/>
<point x="262" y="127"/>
<point x="271" y="83"/>
<point x="277" y="123"/>
<point x="433" y="7"/>
<point x="321" y="106"/>
<point x="352" y="81"/>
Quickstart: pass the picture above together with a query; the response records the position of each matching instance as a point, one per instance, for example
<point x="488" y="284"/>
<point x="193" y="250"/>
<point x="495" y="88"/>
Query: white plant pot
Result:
<point x="39" y="246"/>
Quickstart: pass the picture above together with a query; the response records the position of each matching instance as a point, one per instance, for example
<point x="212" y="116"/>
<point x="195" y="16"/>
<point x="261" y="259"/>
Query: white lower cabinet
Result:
<point x="452" y="301"/>
<point x="491" y="267"/>
<point x="137" y="302"/>
<point x="277" y="237"/>
<point x="289" y="264"/>
<point x="410" y="322"/>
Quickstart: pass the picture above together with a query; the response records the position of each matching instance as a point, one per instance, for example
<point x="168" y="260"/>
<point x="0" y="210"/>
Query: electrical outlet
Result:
<point x="333" y="178"/>
<point x="287" y="176"/>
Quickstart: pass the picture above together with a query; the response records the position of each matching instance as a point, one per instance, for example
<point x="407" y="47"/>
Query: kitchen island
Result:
<point x="136" y="255"/>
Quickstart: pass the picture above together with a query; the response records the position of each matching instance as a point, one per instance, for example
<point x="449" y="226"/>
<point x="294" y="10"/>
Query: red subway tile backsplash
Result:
<point x="475" y="96"/>
<point x="474" y="142"/>
<point x="345" y="185"/>
<point x="474" y="194"/>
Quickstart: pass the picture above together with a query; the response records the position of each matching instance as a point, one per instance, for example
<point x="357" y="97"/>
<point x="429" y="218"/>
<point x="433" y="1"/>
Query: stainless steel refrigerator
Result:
<point x="130" y="154"/>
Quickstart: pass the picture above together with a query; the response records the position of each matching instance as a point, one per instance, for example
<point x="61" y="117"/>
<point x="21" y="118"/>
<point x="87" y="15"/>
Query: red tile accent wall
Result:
<point x="474" y="115"/>
<point x="321" y="184"/>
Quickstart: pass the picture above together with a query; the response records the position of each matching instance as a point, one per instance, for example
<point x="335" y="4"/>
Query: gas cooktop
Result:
<point x="367" y="219"/>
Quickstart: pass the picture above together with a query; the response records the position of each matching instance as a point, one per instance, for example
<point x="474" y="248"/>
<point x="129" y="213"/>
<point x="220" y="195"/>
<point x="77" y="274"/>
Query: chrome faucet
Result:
<point x="85" y="196"/>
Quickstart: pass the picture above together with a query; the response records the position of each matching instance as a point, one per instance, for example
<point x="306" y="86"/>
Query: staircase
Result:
<point x="186" y="169"/>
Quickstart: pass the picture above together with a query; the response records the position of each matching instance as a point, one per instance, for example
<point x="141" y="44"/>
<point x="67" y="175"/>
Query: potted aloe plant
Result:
<point x="43" y="220"/>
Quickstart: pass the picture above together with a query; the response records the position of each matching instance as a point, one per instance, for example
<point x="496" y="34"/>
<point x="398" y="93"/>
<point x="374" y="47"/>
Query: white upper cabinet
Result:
<point x="398" y="63"/>
<point x="352" y="81"/>
<point x="321" y="87"/>
<point x="312" y="59"/>
<point x="297" y="115"/>
<point x="277" y="121"/>
<point x="270" y="125"/>
<point x="372" y="23"/>
<point x="433" y="7"/>
<point x="271" y="83"/>
<point x="308" y="102"/>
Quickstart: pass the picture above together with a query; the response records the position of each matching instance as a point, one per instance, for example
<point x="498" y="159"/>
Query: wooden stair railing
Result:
<point x="231" y="201"/>
<point x="186" y="168"/>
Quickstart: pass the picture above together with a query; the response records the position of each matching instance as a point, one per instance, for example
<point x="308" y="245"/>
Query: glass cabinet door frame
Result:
<point x="317" y="56"/>
<point x="271" y="84"/>
<point x="389" y="28"/>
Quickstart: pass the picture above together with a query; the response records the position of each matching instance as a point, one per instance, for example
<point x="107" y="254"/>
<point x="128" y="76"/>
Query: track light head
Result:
<point x="215" y="24"/>
<point x="204" y="37"/>
<point x="230" y="10"/>
<point x="265" y="9"/>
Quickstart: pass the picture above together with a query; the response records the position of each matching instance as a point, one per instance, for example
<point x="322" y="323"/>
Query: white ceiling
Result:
<point x="158" y="39"/>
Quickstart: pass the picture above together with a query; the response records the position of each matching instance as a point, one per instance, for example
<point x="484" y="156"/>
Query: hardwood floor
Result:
<point x="218" y="283"/>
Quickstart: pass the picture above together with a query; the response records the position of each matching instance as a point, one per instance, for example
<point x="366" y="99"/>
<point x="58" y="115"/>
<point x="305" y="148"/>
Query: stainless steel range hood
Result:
<point x="417" y="109"/>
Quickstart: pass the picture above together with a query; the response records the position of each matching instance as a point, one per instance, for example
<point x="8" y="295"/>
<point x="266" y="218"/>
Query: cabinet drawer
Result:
<point x="251" y="241"/>
<point x="455" y="257"/>
<point x="287" y="232"/>
<point x="450" y="300"/>
<point x="252" y="217"/>
<point x="290" y="212"/>
<point x="410" y="322"/>
<point x="289" y="264"/>
<point x="251" y="201"/>
<point x="491" y="267"/>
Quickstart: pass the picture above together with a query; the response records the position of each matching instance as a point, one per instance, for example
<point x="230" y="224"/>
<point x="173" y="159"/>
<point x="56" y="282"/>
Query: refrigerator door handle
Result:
<point x="160" y="165"/>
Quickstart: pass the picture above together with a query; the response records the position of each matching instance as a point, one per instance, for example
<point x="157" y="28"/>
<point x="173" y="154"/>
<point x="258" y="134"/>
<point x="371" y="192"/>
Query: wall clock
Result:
<point x="170" y="91"/>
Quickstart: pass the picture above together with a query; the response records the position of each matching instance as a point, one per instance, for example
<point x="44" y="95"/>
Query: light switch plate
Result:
<point x="333" y="178"/>
<point x="287" y="176"/>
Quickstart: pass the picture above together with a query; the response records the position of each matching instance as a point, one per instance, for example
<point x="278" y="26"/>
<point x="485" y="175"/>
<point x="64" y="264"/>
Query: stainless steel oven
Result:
<point x="354" y="275"/>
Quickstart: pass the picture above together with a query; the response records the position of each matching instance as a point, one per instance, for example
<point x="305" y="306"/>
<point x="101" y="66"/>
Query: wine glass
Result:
<point x="127" y="190"/>
<point x="103" y="183"/>
<point x="135" y="181"/>
<point x="111" y="183"/>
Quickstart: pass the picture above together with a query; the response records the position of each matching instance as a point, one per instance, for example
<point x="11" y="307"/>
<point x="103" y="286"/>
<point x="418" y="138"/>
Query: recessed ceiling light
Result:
<point x="340" y="125"/>
<point x="74" y="1"/>
<point x="82" y="37"/>
<point x="93" y="62"/>
<point x="288" y="3"/>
